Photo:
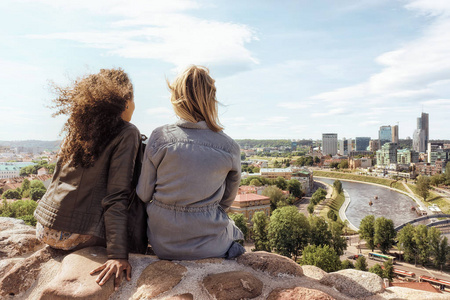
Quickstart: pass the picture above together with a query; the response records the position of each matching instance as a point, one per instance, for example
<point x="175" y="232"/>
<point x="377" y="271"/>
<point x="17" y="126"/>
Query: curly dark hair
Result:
<point x="94" y="104"/>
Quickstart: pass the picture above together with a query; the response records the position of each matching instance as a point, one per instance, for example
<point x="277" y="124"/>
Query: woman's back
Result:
<point x="197" y="177"/>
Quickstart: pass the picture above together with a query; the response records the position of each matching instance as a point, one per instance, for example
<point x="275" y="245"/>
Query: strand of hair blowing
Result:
<point x="94" y="104"/>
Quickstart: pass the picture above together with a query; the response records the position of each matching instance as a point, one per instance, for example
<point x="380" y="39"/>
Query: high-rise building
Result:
<point x="361" y="143"/>
<point x="374" y="145"/>
<point x="425" y="127"/>
<point x="343" y="147"/>
<point x="387" y="154"/>
<point x="407" y="156"/>
<point x="329" y="143"/>
<point x="395" y="134"/>
<point x="421" y="134"/>
<point x="437" y="151"/>
<point x="385" y="135"/>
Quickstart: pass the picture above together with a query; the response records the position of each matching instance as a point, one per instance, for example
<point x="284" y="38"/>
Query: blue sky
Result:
<point x="283" y="69"/>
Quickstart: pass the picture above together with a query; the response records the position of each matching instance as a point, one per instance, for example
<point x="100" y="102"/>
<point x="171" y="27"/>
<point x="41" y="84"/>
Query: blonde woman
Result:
<point x="190" y="176"/>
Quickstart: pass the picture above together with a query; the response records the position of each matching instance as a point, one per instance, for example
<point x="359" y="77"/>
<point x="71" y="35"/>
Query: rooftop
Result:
<point x="249" y="197"/>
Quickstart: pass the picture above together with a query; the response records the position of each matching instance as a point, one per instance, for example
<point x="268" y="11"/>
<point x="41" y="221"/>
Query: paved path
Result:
<point x="419" y="201"/>
<point x="342" y="210"/>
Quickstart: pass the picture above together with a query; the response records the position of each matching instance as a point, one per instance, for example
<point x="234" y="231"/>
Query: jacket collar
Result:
<point x="187" y="124"/>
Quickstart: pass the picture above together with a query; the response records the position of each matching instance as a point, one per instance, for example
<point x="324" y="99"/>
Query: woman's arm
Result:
<point x="147" y="180"/>
<point x="115" y="205"/>
<point x="232" y="181"/>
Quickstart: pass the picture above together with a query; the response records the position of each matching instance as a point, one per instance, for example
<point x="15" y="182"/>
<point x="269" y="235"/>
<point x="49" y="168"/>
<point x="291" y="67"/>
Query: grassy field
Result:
<point x="363" y="178"/>
<point x="337" y="200"/>
<point x="434" y="198"/>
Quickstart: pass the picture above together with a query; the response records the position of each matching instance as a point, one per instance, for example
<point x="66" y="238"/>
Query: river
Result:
<point x="390" y="204"/>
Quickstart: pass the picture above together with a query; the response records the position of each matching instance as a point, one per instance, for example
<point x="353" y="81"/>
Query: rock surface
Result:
<point x="354" y="283"/>
<point x="298" y="293"/>
<point x="43" y="273"/>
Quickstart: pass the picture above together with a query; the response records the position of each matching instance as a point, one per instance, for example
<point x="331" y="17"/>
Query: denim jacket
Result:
<point x="190" y="176"/>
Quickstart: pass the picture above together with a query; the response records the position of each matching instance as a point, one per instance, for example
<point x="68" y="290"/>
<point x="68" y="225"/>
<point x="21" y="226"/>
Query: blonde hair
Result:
<point x="193" y="97"/>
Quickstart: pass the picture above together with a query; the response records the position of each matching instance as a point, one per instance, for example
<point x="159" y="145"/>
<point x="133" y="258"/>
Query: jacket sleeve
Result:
<point x="119" y="187"/>
<point x="232" y="181"/>
<point x="147" y="180"/>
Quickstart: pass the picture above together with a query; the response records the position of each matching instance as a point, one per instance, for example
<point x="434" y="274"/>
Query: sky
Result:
<point x="283" y="69"/>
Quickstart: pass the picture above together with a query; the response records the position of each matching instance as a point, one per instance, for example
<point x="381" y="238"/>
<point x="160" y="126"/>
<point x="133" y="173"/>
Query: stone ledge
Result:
<point x="52" y="274"/>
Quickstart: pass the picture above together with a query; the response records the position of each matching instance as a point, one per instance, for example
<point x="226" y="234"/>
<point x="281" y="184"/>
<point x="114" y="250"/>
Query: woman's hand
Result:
<point x="110" y="267"/>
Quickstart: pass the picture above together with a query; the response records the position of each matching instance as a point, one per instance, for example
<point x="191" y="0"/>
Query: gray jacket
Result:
<point x="190" y="176"/>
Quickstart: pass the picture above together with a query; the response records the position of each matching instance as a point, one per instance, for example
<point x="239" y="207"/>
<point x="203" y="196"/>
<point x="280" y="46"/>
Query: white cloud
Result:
<point x="442" y="103"/>
<point x="293" y="105"/>
<point x="152" y="30"/>
<point x="410" y="74"/>
<point x="331" y="112"/>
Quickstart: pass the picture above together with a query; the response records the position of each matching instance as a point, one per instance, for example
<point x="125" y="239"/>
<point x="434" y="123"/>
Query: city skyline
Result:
<point x="284" y="70"/>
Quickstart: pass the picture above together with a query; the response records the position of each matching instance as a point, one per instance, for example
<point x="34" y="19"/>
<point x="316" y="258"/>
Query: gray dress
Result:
<point x="190" y="176"/>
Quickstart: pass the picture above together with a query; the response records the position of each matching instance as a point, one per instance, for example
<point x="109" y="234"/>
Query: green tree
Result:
<point x="255" y="182"/>
<point x="437" y="179"/>
<point x="51" y="168"/>
<point x="288" y="231"/>
<point x="332" y="215"/>
<point x="319" y="233"/>
<point x="310" y="208"/>
<point x="37" y="184"/>
<point x="423" y="245"/>
<point x="20" y="209"/>
<point x="423" y="187"/>
<point x="37" y="193"/>
<point x="384" y="234"/>
<point x="26" y="185"/>
<point x="346" y="264"/>
<point x="281" y="183"/>
<point x="275" y="195"/>
<point x="334" y="165"/>
<point x="376" y="269"/>
<point x="367" y="231"/>
<point x="343" y="164"/>
<point x="407" y="243"/>
<point x="337" y="184"/>
<point x="338" y="242"/>
<point x="443" y="253"/>
<point x="316" y="160"/>
<point x="295" y="188"/>
<point x="447" y="174"/>
<point x="323" y="257"/>
<point x="260" y="231"/>
<point x="388" y="270"/>
<point x="434" y="239"/>
<point x="11" y="194"/>
<point x="361" y="263"/>
<point x="241" y="223"/>
<point x="277" y="164"/>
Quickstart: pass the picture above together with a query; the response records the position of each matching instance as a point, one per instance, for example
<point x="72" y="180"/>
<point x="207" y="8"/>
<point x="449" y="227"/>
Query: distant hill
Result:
<point x="44" y="145"/>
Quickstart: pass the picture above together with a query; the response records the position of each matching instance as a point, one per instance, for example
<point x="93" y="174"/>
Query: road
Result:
<point x="352" y="248"/>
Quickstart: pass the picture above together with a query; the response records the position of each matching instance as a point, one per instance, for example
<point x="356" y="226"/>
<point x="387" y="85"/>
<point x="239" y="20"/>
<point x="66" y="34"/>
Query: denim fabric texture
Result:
<point x="190" y="177"/>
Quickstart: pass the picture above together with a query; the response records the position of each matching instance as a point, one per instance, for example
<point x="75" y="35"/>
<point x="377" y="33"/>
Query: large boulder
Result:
<point x="354" y="283"/>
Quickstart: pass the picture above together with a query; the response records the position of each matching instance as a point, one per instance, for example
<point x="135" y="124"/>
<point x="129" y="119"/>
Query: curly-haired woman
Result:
<point x="86" y="202"/>
<point x="190" y="176"/>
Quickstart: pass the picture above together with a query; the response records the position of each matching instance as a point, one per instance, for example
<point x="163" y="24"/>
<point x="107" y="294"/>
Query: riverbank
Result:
<point x="360" y="178"/>
<point x="338" y="203"/>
